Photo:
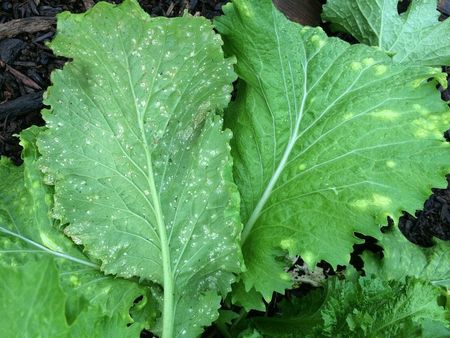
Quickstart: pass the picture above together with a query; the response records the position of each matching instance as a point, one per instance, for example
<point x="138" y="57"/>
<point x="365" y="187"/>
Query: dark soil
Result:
<point x="432" y="221"/>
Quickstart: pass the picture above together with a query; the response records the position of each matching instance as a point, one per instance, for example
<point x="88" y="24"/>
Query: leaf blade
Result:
<point x="73" y="295"/>
<point x="357" y="138"/>
<point x="149" y="189"/>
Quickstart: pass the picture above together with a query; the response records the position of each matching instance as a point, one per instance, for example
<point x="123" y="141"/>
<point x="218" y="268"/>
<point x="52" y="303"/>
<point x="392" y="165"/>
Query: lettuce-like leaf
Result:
<point x="49" y="288"/>
<point x="362" y="307"/>
<point x="140" y="163"/>
<point x="414" y="36"/>
<point x="328" y="140"/>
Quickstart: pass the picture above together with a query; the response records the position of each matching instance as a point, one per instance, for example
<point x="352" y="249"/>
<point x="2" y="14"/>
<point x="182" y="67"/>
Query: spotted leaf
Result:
<point x="330" y="138"/>
<point x="140" y="163"/>
<point x="46" y="278"/>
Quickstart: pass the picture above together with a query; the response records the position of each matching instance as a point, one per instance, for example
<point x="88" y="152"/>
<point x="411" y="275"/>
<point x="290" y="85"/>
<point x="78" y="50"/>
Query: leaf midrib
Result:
<point x="168" y="278"/>
<point x="292" y="141"/>
<point x="48" y="250"/>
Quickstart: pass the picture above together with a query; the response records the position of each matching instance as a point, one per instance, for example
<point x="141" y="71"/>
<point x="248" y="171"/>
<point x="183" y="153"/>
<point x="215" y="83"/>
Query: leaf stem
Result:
<point x="168" y="284"/>
<point x="168" y="279"/>
<point x="267" y="192"/>
<point x="276" y="175"/>
<point x="290" y="146"/>
<point x="47" y="250"/>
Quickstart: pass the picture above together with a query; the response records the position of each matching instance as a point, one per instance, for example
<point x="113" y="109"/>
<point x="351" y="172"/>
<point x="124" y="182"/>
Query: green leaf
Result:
<point x="362" y="307"/>
<point x="32" y="300"/>
<point x="248" y="299"/>
<point x="45" y="276"/>
<point x="95" y="324"/>
<point x="415" y="36"/>
<point x="402" y="258"/>
<point x="326" y="134"/>
<point x="140" y="163"/>
<point x="34" y="304"/>
<point x="371" y="307"/>
<point x="146" y="311"/>
<point x="250" y="334"/>
<point x="295" y="316"/>
<point x="226" y="318"/>
<point x="434" y="329"/>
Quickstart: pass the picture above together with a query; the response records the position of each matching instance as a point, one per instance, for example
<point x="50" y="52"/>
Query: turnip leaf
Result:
<point x="138" y="157"/>
<point x="329" y="139"/>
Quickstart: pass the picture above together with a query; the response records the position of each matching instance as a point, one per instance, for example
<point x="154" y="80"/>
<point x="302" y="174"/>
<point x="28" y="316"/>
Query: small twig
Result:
<point x="170" y="9"/>
<point x="44" y="36"/>
<point x="22" y="105"/>
<point x="26" y="25"/>
<point x="88" y="4"/>
<point x="24" y="63"/>
<point x="307" y="280"/>
<point x="185" y="6"/>
<point x="20" y="76"/>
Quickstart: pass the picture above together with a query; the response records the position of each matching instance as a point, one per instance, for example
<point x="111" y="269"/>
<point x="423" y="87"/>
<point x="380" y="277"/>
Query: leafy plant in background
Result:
<point x="415" y="36"/>
<point x="351" y="308"/>
<point x="137" y="224"/>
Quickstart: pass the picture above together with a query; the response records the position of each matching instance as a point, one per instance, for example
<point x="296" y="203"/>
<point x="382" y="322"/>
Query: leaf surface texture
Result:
<point x="49" y="287"/>
<point x="140" y="163"/>
<point x="362" y="307"/>
<point x="328" y="137"/>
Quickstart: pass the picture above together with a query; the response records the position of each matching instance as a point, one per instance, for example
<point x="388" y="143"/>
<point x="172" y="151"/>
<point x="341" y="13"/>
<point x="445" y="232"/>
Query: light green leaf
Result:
<point x="326" y="135"/>
<point x="139" y="160"/>
<point x="94" y="324"/>
<point x="402" y="258"/>
<point x="415" y="36"/>
<point x="32" y="301"/>
<point x="39" y="263"/>
<point x="34" y="304"/>
<point x="102" y="304"/>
